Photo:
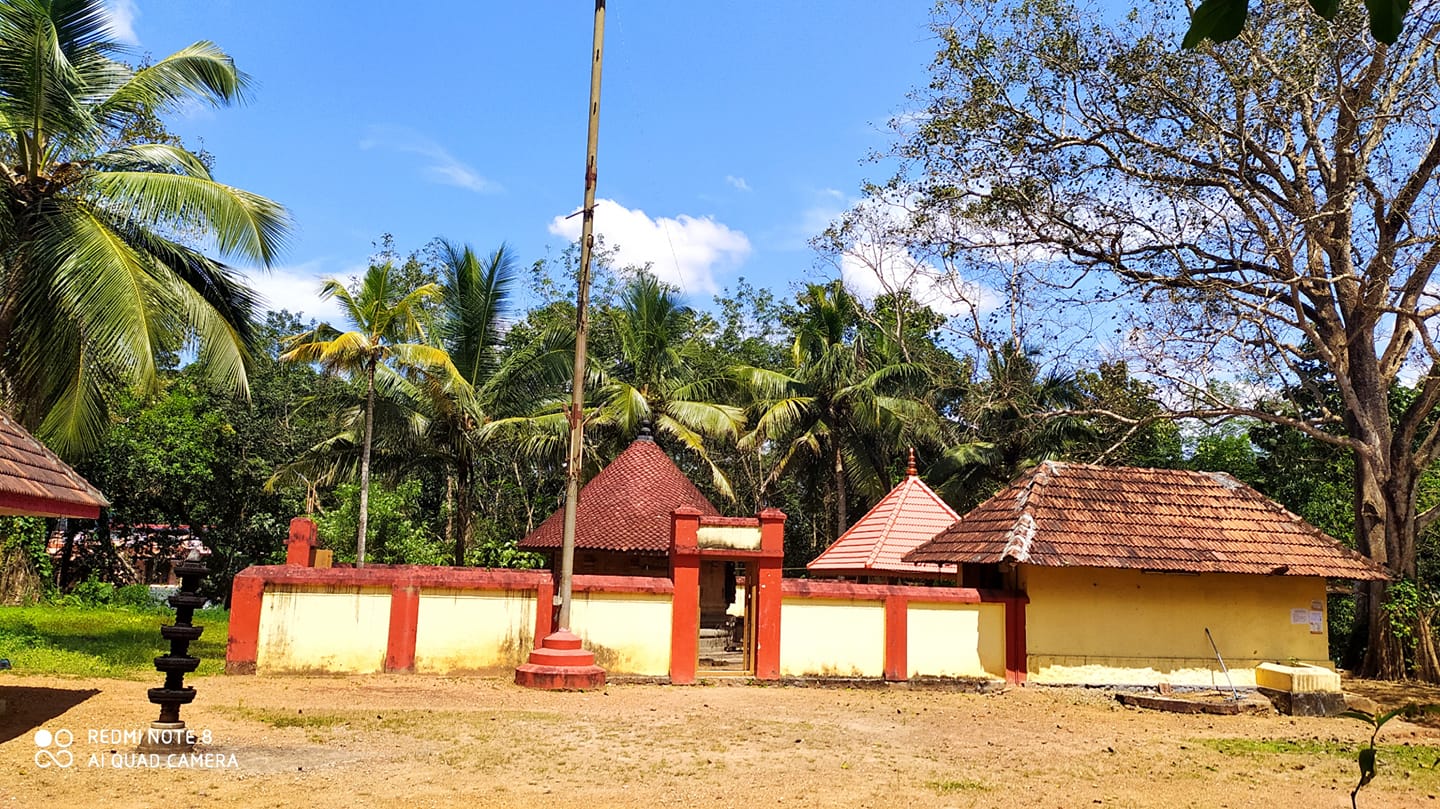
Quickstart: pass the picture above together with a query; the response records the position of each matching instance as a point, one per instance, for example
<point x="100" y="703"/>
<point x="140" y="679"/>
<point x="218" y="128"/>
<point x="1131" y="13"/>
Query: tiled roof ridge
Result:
<point x="895" y="510"/>
<point x="1022" y="534"/>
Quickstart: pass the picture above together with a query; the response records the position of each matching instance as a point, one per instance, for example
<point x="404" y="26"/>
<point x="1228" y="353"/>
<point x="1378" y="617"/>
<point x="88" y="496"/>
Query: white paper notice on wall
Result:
<point x="1317" y="622"/>
<point x="1299" y="615"/>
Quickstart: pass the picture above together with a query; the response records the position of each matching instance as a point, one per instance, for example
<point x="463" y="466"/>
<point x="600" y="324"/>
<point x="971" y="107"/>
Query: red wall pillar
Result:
<point x="246" y="594"/>
<point x="404" y="621"/>
<point x="1016" y="656"/>
<point x="544" y="609"/>
<point x="685" y="604"/>
<point x="300" y="550"/>
<point x="767" y="594"/>
<point x="897" y="638"/>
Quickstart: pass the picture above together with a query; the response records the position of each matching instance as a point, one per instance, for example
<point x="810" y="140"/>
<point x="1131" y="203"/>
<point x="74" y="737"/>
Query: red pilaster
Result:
<point x="1016" y="657"/>
<point x="544" y="609"/>
<point x="246" y="593"/>
<point x="897" y="638"/>
<point x="404" y="619"/>
<point x="767" y="594"/>
<point x="685" y="603"/>
<point x="301" y="548"/>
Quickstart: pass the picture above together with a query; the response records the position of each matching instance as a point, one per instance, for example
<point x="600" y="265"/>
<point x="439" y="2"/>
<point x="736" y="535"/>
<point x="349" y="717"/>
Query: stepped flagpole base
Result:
<point x="559" y="664"/>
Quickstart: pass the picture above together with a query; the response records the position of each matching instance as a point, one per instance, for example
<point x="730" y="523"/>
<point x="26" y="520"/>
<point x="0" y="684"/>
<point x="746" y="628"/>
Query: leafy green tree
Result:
<point x="387" y="336"/>
<point x="97" y="282"/>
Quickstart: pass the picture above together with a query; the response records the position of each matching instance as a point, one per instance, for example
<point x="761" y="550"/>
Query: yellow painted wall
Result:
<point x="955" y="640"/>
<point x="1120" y="626"/>
<point x="470" y="631"/>
<point x="339" y="629"/>
<point x="832" y="638"/>
<point x="628" y="632"/>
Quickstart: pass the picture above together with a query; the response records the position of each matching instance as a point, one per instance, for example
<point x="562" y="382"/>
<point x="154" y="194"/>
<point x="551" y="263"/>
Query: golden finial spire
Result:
<point x="910" y="466"/>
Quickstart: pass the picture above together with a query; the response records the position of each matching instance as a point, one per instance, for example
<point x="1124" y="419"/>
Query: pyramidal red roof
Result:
<point x="627" y="506"/>
<point x="910" y="515"/>
<point x="1172" y="520"/>
<point x="33" y="480"/>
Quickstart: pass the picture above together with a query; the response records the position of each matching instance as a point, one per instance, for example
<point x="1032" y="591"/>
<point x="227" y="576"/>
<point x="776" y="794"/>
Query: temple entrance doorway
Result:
<point x="727" y="616"/>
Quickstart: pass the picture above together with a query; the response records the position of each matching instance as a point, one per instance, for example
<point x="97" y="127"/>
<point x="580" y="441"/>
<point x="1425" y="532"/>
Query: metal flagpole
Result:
<point x="582" y="301"/>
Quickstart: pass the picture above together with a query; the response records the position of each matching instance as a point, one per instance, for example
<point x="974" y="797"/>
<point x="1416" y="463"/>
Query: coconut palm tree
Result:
<point x="847" y="402"/>
<point x="652" y="376"/>
<point x="1012" y="419"/>
<point x="475" y="300"/>
<point x="98" y="273"/>
<point x="388" y="337"/>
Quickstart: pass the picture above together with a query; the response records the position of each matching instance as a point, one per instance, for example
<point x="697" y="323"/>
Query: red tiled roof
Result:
<point x="33" y="480"/>
<point x="627" y="506"/>
<point x="902" y="521"/>
<point x="1078" y="515"/>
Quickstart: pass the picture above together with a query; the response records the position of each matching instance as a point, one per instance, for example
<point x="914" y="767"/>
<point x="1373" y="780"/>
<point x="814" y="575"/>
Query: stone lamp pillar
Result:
<point x="168" y="734"/>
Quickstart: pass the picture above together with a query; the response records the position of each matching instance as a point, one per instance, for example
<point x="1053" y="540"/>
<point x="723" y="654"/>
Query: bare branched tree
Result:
<point x="1272" y="203"/>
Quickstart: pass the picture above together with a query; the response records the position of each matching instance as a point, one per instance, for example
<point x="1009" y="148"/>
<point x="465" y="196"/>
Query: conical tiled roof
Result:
<point x="1173" y="520"/>
<point x="627" y="506"/>
<point x="902" y="521"/>
<point x="33" y="480"/>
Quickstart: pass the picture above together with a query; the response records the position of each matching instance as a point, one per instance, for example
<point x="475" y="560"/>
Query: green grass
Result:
<point x="101" y="641"/>
<point x="1395" y="760"/>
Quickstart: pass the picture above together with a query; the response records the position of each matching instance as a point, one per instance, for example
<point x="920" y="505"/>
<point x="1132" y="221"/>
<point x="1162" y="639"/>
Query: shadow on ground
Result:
<point x="27" y="708"/>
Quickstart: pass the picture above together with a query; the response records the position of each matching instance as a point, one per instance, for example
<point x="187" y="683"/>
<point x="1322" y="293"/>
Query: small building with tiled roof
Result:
<point x="34" y="481"/>
<point x="622" y="525"/>
<point x="872" y="549"/>
<point x="1125" y="569"/>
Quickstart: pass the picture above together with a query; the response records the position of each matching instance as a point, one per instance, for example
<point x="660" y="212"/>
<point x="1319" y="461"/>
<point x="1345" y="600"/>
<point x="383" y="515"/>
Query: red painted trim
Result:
<point x="404" y="620"/>
<point x="819" y="588"/>
<point x="897" y="639"/>
<point x="300" y="550"/>
<point x="246" y="593"/>
<point x="772" y="531"/>
<point x="685" y="605"/>
<point x="424" y="576"/>
<point x="767" y="618"/>
<point x="25" y="504"/>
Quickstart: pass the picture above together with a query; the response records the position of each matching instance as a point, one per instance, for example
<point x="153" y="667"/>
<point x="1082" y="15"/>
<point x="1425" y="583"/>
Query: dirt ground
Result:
<point x="426" y="741"/>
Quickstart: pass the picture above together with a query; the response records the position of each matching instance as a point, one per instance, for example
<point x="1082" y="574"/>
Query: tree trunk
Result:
<point x="462" y="513"/>
<point x="1385" y="529"/>
<point x="450" y="514"/>
<point x="841" y="518"/>
<point x="365" y="464"/>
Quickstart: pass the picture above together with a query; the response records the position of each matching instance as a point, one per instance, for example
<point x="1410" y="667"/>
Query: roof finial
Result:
<point x="644" y="430"/>
<point x="910" y="470"/>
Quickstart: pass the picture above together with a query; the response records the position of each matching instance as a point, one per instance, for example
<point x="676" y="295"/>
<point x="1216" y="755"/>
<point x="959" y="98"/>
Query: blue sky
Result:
<point x="730" y="133"/>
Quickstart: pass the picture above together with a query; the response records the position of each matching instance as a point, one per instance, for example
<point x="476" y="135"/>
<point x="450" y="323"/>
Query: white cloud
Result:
<point x="737" y="183"/>
<point x="440" y="165"/>
<point x="870" y="269"/>
<point x="122" y="14"/>
<point x="684" y="251"/>
<point x="297" y="289"/>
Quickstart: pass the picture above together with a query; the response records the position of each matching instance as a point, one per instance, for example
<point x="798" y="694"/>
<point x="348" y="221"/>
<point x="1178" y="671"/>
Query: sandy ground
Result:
<point x="425" y="741"/>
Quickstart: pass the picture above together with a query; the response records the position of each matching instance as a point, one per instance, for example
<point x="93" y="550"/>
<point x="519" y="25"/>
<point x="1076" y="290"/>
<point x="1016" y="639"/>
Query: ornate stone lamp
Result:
<point x="168" y="734"/>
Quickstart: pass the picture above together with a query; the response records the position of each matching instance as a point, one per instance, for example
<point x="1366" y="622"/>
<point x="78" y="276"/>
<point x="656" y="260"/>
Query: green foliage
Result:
<point x="26" y="536"/>
<point x="1366" y="757"/>
<point x="398" y="534"/>
<point x="1223" y="20"/>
